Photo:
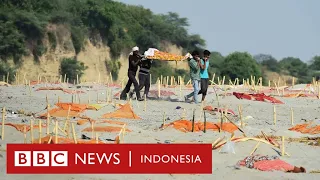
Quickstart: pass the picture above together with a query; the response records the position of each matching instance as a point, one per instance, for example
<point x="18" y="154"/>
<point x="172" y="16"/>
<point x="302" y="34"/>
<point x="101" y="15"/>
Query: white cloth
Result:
<point x="135" y="48"/>
<point x="150" y="52"/>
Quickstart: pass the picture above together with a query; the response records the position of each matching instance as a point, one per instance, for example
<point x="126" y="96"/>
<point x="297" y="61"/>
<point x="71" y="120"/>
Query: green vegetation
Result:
<point x="113" y="67"/>
<point x="24" y="25"/>
<point x="71" y="67"/>
<point x="240" y="65"/>
<point x="6" y="70"/>
<point x="120" y="26"/>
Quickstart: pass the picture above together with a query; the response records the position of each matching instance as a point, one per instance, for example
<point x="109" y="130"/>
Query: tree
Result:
<point x="294" y="66"/>
<point x="270" y="63"/>
<point x="215" y="63"/>
<point x="315" y="63"/>
<point x="262" y="57"/>
<point x="71" y="67"/>
<point x="240" y="65"/>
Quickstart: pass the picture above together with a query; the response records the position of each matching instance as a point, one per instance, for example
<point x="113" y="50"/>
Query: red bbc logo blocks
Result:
<point x="40" y="158"/>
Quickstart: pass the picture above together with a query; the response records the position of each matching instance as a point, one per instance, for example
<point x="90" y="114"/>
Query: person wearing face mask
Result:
<point x="194" y="64"/>
<point x="204" y="74"/>
<point x="134" y="61"/>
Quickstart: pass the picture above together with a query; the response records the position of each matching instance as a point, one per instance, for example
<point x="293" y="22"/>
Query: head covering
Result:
<point x="135" y="49"/>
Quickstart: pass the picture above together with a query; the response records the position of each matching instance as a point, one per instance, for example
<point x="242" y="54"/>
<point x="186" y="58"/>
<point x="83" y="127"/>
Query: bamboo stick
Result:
<point x="292" y="81"/>
<point x="25" y="134"/>
<point x="2" y="125"/>
<point x="212" y="80"/>
<point x="40" y="130"/>
<point x="291" y="109"/>
<point x="48" y="119"/>
<point x="274" y="115"/>
<point x="240" y="115"/>
<point x="159" y="89"/>
<point x="193" y="120"/>
<point x="164" y="119"/>
<point x="29" y="88"/>
<point x="318" y="91"/>
<point x="8" y="77"/>
<point x="205" y="122"/>
<point x="56" y="132"/>
<point x="282" y="147"/>
<point x="74" y="133"/>
<point x="77" y="78"/>
<point x="31" y="130"/>
<point x="255" y="148"/>
<point x="92" y="130"/>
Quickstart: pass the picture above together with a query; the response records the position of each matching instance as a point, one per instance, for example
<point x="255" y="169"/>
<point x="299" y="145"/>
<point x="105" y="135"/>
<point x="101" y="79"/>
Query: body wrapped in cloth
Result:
<point x="155" y="54"/>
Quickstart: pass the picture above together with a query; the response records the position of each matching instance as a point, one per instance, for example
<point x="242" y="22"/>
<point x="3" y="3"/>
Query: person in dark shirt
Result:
<point x="144" y="76"/>
<point x="134" y="61"/>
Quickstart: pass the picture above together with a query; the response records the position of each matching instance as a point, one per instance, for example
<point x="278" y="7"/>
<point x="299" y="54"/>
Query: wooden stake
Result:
<point x="193" y="120"/>
<point x="159" y="89"/>
<point x="3" y="119"/>
<point x="319" y="91"/>
<point x="40" y="130"/>
<point x="8" y="77"/>
<point x="282" y="147"/>
<point x="74" y="133"/>
<point x="292" y="81"/>
<point x="92" y="130"/>
<point x="240" y="115"/>
<point x="30" y="88"/>
<point x="48" y="119"/>
<point x="205" y="122"/>
<point x="212" y="80"/>
<point x="31" y="130"/>
<point x="77" y="79"/>
<point x="164" y="119"/>
<point x="25" y="134"/>
<point x="255" y="148"/>
<point x="291" y="109"/>
<point x="274" y="115"/>
<point x="56" y="132"/>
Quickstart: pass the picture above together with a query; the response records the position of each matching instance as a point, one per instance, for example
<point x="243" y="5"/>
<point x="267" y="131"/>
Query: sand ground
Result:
<point x="147" y="130"/>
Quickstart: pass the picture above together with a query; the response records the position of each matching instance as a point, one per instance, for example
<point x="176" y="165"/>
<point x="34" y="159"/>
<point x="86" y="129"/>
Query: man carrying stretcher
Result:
<point x="134" y="61"/>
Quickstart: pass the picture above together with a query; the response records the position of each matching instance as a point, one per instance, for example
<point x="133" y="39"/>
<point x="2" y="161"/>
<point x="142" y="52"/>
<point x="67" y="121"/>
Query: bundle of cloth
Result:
<point x="155" y="54"/>
<point x="257" y="97"/>
<point x="269" y="163"/>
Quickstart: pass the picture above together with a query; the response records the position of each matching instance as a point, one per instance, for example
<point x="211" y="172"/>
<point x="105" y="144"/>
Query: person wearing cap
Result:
<point x="194" y="64"/>
<point x="134" y="61"/>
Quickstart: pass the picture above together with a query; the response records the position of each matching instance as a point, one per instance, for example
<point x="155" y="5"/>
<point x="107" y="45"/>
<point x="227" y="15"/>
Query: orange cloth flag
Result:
<point x="73" y="106"/>
<point x="57" y="112"/>
<point x="186" y="126"/>
<point x="124" y="112"/>
<point x="104" y="129"/>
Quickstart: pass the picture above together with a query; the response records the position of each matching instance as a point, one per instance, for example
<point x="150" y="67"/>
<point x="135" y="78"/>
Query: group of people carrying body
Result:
<point x="198" y="74"/>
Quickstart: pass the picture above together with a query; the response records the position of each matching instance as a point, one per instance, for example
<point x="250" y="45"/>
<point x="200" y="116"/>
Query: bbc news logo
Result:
<point x="109" y="159"/>
<point x="41" y="158"/>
